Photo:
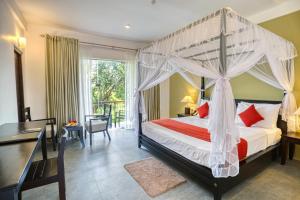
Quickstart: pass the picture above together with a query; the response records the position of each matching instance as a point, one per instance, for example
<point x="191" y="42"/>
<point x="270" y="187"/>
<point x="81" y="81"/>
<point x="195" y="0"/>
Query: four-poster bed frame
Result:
<point x="249" y="166"/>
<point x="218" y="186"/>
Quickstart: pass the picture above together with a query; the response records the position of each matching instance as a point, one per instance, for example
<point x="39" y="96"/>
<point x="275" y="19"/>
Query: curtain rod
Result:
<point x="104" y="45"/>
<point x="107" y="46"/>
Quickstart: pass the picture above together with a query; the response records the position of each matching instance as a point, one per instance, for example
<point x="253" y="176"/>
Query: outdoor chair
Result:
<point x="120" y="115"/>
<point x="98" y="123"/>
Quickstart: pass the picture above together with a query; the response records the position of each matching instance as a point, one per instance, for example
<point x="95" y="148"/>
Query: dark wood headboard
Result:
<point x="280" y="123"/>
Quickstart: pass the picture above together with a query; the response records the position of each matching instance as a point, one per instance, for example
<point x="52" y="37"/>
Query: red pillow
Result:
<point x="203" y="110"/>
<point x="250" y="116"/>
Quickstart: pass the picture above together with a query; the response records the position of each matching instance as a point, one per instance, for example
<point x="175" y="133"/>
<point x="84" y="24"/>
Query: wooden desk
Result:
<point x="15" y="160"/>
<point x="10" y="129"/>
<point x="24" y="131"/>
<point x="16" y="156"/>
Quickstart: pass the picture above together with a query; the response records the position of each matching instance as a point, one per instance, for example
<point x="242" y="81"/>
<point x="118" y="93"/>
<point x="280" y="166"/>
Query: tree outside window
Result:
<point x="108" y="85"/>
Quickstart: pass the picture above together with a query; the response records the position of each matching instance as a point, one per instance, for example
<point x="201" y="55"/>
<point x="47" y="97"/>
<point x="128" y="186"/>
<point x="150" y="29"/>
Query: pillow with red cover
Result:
<point x="250" y="116"/>
<point x="203" y="110"/>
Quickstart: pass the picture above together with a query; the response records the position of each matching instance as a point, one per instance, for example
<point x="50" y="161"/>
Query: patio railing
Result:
<point x="116" y="107"/>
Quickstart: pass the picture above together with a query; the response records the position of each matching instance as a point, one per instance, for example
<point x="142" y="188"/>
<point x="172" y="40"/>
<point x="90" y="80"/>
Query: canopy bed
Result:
<point x="218" y="47"/>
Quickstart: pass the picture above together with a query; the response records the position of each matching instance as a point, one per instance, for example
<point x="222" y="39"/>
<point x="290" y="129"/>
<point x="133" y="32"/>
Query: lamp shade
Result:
<point x="297" y="111"/>
<point x="187" y="99"/>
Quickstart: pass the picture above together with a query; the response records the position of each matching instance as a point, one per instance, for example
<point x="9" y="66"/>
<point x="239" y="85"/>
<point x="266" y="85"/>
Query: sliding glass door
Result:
<point x="108" y="82"/>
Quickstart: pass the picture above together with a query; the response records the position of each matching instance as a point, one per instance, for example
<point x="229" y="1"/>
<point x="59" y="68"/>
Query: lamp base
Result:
<point x="187" y="110"/>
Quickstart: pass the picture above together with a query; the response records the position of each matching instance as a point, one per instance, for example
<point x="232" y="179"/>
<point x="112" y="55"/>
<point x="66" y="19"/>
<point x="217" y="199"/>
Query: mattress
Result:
<point x="198" y="150"/>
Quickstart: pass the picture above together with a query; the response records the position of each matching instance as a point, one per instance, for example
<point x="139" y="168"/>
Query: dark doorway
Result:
<point x="19" y="85"/>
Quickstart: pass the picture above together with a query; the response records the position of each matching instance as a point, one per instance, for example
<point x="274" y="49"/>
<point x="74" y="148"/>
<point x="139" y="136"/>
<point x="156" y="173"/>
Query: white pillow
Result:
<point x="268" y="111"/>
<point x="203" y="101"/>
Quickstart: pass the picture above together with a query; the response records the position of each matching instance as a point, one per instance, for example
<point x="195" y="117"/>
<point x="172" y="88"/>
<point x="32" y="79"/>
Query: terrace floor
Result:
<point x="97" y="173"/>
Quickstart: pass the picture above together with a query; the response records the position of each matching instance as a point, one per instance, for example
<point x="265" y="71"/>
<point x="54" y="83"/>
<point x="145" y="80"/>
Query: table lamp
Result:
<point x="188" y="100"/>
<point x="297" y="114"/>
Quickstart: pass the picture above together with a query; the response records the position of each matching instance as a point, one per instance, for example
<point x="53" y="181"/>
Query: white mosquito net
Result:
<point x="219" y="47"/>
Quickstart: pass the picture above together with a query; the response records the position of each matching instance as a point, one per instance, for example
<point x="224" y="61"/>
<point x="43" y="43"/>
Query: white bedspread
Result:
<point x="198" y="150"/>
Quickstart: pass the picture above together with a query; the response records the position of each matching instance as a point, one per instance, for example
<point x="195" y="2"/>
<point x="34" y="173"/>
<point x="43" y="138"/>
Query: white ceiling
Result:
<point x="148" y="22"/>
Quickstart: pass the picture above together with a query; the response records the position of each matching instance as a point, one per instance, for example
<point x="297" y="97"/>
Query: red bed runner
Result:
<point x="198" y="132"/>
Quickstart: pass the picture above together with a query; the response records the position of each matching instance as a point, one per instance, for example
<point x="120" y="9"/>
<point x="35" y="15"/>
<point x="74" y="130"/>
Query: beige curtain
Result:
<point x="152" y="102"/>
<point x="62" y="72"/>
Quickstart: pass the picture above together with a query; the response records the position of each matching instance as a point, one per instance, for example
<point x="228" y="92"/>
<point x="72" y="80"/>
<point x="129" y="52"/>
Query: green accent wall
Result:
<point x="288" y="27"/>
<point x="178" y="89"/>
<point x="246" y="86"/>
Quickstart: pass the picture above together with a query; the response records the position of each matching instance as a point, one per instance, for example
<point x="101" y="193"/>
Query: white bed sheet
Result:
<point x="198" y="150"/>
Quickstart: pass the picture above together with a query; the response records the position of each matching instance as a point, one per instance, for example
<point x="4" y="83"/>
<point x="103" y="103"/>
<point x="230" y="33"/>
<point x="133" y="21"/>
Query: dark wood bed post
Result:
<point x="217" y="192"/>
<point x="223" y="48"/>
<point x="202" y="90"/>
<point x="140" y="131"/>
<point x="139" y="114"/>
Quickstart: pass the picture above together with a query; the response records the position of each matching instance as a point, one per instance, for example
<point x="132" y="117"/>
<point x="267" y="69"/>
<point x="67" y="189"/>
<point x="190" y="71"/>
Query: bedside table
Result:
<point x="183" y="115"/>
<point x="288" y="145"/>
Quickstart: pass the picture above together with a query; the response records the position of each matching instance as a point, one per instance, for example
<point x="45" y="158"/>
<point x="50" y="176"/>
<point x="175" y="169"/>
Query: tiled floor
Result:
<point x="97" y="173"/>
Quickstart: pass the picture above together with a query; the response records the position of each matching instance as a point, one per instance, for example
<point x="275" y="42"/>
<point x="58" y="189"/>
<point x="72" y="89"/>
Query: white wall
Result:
<point x="10" y="29"/>
<point x="281" y="9"/>
<point x="34" y="70"/>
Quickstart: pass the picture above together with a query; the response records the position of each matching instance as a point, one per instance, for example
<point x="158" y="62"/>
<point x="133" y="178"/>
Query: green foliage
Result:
<point x="108" y="81"/>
